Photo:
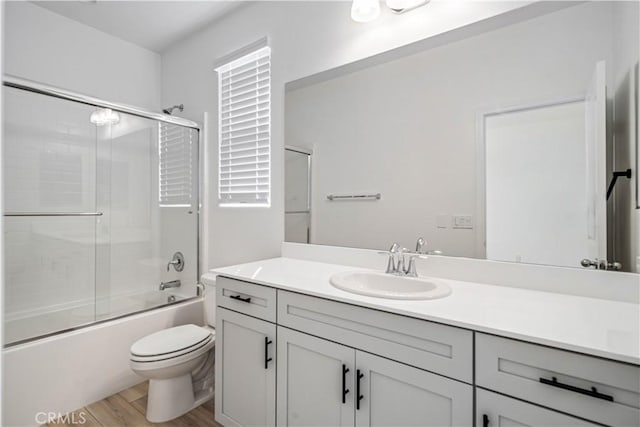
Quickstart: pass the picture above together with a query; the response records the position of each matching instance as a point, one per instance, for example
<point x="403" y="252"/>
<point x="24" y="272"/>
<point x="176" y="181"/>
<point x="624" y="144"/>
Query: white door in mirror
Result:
<point x="384" y="285"/>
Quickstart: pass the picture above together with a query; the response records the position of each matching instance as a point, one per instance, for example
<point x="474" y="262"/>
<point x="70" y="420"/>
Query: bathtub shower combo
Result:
<point x="100" y="213"/>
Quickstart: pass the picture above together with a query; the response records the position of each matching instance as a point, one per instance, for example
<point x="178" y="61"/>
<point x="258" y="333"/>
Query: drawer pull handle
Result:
<point x="485" y="420"/>
<point x="267" y="359"/>
<point x="359" y="397"/>
<point x="239" y="298"/>
<point x="593" y="392"/>
<point x="345" y="390"/>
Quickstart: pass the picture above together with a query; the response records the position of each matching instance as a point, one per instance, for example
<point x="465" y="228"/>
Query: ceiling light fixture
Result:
<point x="105" y="116"/>
<point x="369" y="10"/>
<point x="401" y="6"/>
<point x="365" y="10"/>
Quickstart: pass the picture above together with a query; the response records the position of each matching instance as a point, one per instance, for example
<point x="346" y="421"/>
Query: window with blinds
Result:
<point x="176" y="165"/>
<point x="245" y="130"/>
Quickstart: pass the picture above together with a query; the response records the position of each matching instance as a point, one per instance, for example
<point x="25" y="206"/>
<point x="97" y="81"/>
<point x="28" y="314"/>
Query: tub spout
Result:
<point x="171" y="284"/>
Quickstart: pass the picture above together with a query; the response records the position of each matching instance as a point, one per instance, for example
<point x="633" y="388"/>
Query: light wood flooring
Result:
<point x="127" y="409"/>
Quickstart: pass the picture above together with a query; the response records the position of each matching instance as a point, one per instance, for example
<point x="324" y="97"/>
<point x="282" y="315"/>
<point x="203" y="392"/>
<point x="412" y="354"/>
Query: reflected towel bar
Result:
<point x="376" y="196"/>
<point x="53" y="214"/>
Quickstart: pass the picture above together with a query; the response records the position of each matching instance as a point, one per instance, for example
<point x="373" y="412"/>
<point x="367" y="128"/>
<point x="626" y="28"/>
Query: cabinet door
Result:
<point x="394" y="394"/>
<point x="315" y="381"/>
<point x="245" y="370"/>
<point x="496" y="410"/>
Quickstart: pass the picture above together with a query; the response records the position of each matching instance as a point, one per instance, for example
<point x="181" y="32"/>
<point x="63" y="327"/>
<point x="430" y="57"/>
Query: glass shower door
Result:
<point x="97" y="203"/>
<point x="140" y="231"/>
<point x="49" y="165"/>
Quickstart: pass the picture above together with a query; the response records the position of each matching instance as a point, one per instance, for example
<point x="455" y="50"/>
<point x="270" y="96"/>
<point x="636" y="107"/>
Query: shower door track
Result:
<point x="32" y="86"/>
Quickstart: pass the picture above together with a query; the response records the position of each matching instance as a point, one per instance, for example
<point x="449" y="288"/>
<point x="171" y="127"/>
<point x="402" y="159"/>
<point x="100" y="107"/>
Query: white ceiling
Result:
<point x="154" y="25"/>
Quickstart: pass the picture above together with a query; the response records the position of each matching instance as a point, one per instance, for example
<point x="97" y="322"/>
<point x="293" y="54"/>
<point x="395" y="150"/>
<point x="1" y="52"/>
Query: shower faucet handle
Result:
<point x="177" y="262"/>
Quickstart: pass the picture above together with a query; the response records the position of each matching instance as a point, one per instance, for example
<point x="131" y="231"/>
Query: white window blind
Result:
<point x="245" y="130"/>
<point x="176" y="165"/>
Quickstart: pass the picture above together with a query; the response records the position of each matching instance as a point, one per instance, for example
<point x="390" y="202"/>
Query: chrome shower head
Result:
<point x="170" y="109"/>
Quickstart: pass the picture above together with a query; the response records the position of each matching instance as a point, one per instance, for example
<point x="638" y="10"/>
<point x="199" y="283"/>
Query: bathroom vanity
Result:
<point x="291" y="349"/>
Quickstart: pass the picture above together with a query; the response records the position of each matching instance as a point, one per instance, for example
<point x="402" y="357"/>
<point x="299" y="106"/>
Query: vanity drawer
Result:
<point x="248" y="298"/>
<point x="527" y="371"/>
<point x="430" y="346"/>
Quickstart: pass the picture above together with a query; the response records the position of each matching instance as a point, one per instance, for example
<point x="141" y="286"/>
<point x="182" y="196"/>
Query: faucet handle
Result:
<point x="411" y="268"/>
<point x="177" y="262"/>
<point x="391" y="264"/>
<point x="420" y="244"/>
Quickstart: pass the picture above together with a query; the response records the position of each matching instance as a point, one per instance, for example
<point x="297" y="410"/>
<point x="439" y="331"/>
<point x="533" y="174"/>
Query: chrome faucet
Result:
<point x="397" y="263"/>
<point x="171" y="284"/>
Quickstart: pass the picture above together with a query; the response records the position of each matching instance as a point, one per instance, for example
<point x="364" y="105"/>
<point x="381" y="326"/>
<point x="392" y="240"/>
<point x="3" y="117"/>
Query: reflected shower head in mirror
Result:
<point x="170" y="109"/>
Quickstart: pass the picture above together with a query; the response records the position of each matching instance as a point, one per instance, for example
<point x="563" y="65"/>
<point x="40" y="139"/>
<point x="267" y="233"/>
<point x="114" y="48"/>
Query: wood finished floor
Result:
<point x="128" y="408"/>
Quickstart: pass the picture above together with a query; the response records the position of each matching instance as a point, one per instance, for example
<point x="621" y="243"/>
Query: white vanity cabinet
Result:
<point x="290" y="359"/>
<point x="245" y="372"/>
<point x="325" y="383"/>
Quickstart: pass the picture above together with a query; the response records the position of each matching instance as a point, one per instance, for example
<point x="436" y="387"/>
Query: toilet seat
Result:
<point x="206" y="344"/>
<point x="172" y="343"/>
<point x="169" y="359"/>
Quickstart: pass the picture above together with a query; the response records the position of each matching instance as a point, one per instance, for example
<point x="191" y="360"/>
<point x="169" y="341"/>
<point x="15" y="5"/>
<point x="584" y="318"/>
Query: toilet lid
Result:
<point x="170" y="340"/>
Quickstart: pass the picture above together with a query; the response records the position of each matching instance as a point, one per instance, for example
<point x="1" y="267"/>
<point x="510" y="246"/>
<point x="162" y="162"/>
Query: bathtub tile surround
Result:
<point x="510" y="347"/>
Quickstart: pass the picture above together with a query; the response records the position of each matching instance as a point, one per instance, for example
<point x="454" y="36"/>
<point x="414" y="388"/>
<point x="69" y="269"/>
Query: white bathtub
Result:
<point x="69" y="370"/>
<point x="25" y="326"/>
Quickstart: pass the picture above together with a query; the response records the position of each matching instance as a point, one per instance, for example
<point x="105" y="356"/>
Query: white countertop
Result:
<point x="599" y="327"/>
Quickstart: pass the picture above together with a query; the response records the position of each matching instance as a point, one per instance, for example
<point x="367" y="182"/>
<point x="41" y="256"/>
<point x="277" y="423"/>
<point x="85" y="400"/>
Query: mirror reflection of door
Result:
<point x="297" y="218"/>
<point x="545" y="172"/>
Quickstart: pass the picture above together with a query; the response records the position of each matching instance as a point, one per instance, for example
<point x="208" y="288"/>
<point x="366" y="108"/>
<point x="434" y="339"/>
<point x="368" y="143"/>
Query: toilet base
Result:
<point x="172" y="397"/>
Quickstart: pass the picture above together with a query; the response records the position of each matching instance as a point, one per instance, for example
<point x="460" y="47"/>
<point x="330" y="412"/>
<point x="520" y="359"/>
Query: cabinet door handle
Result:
<point x="593" y="392"/>
<point x="267" y="359"/>
<point x="359" y="397"/>
<point x="239" y="298"/>
<point x="345" y="390"/>
<point x="485" y="420"/>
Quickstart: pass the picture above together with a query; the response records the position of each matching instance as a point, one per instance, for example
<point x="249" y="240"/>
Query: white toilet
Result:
<point x="179" y="365"/>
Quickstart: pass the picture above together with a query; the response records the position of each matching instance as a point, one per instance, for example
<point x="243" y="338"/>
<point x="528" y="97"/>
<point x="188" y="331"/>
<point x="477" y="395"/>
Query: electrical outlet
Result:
<point x="463" y="221"/>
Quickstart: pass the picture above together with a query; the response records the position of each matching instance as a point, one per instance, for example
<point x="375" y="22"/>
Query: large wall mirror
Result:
<point x="499" y="144"/>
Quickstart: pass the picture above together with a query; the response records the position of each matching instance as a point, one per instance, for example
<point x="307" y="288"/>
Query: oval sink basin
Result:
<point x="384" y="285"/>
